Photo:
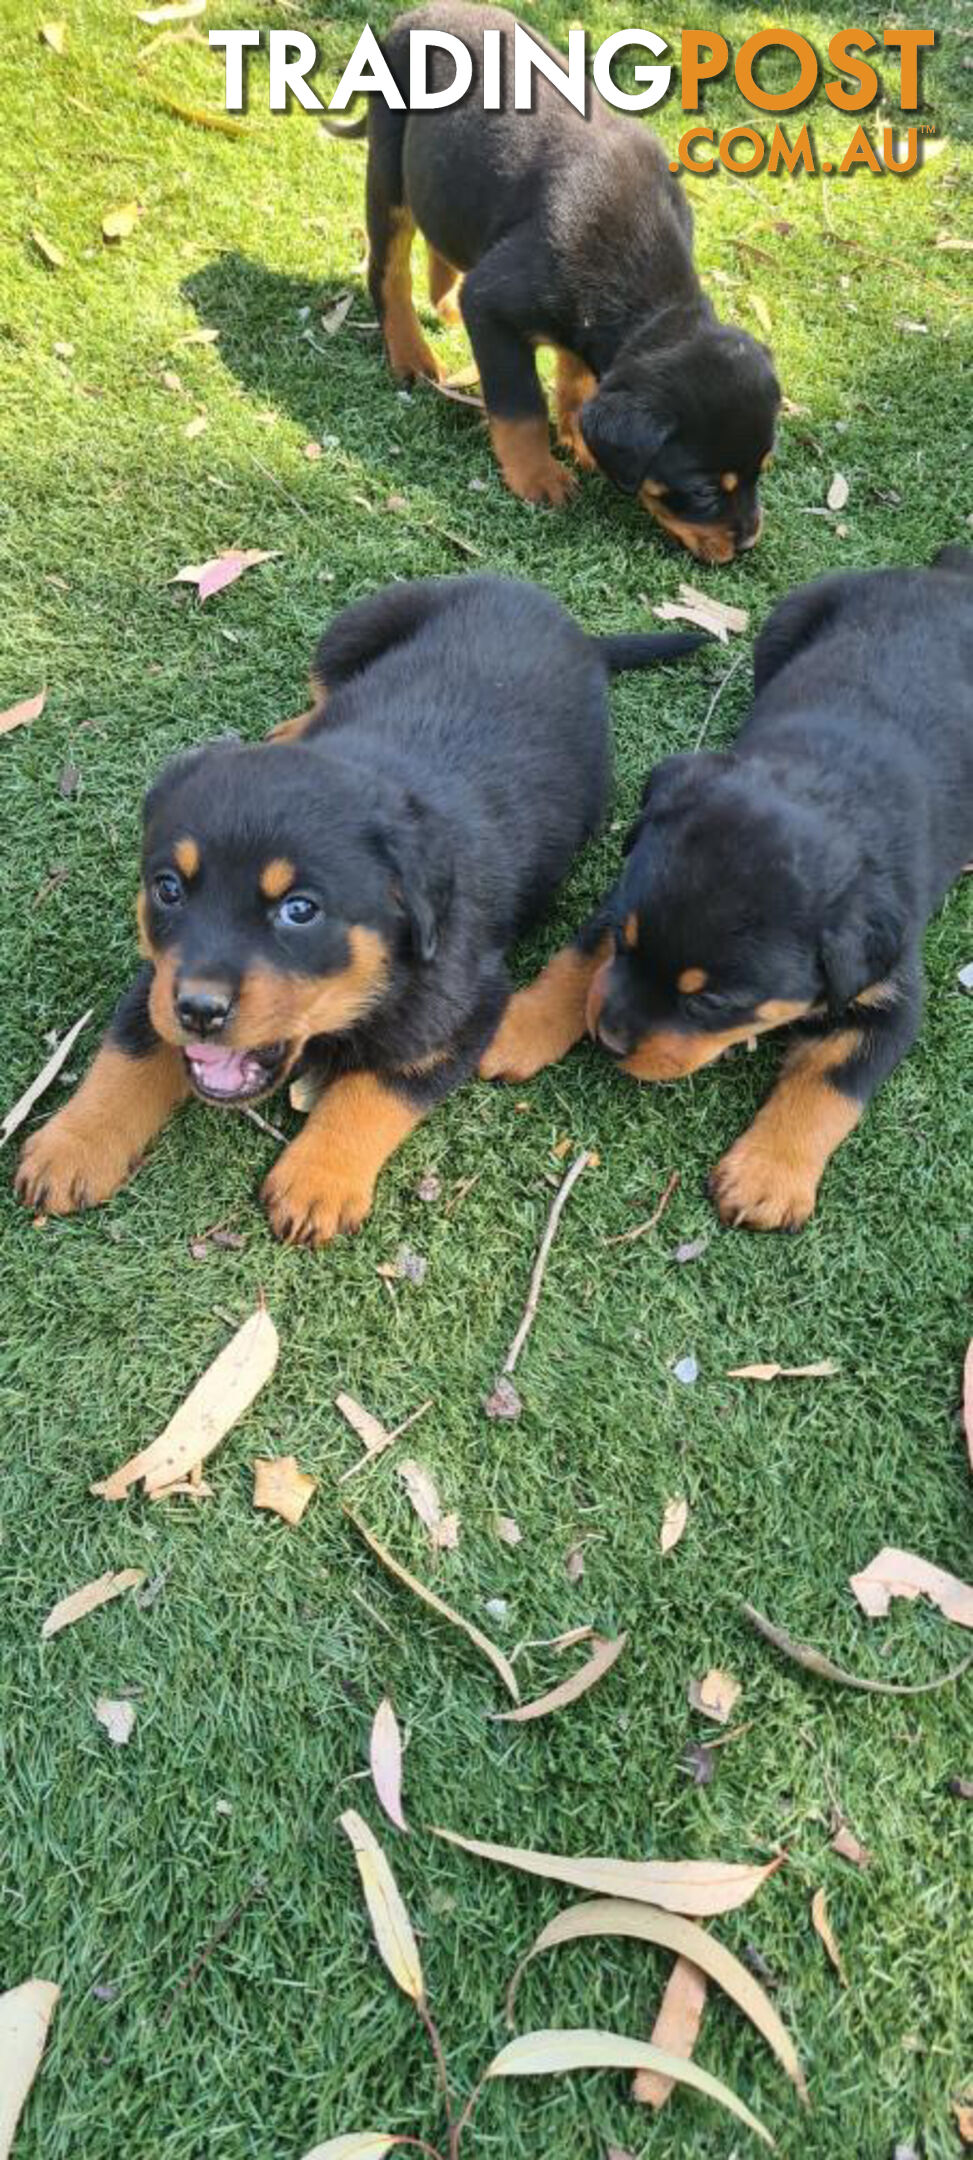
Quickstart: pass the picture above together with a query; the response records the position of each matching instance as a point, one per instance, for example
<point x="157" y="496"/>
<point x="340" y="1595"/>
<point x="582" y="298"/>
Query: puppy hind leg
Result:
<point x="573" y="383"/>
<point x="391" y="227"/>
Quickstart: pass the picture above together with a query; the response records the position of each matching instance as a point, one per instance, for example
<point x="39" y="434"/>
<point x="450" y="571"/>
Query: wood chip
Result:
<point x="118" y="1719"/>
<point x="89" y="1598"/>
<point x="704" y="612"/>
<point x="281" y="1487"/>
<point x="715" y="1695"/>
<point x="46" y="249"/>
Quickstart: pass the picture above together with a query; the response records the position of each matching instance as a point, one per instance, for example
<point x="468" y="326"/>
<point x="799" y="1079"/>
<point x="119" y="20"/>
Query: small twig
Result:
<point x="530" y="1310"/>
<point x="278" y="484"/>
<point x="715" y="699"/>
<point x="627" y="1237"/>
<point x="723" y="1739"/>
<point x="465" y="1186"/>
<point x="440" y="2059"/>
<point x="256" y="1890"/>
<point x="264" y="1124"/>
<point x="378" y="1452"/>
<point x="459" y="2126"/>
<point x="372" y="1614"/>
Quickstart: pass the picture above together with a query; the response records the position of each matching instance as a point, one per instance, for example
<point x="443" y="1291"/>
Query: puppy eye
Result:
<point x="167" y="889"/>
<point x="297" y="910"/>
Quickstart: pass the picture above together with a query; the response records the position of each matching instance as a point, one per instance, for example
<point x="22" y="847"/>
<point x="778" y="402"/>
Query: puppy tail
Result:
<point x="346" y="130"/>
<point x="638" y="649"/>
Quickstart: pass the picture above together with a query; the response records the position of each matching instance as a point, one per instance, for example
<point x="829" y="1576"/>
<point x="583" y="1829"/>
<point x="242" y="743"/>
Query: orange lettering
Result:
<point x="859" y="152"/>
<point x="782" y="154"/>
<point x="694" y="69"/>
<point x="686" y="141"/>
<point x="736" y="164"/>
<point x="841" y="56"/>
<point x="909" y="42"/>
<point x="776" y="100"/>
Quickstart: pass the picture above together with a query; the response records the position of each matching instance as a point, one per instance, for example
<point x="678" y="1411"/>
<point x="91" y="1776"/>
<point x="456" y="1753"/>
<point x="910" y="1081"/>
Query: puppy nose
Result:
<point x="202" y="1012"/>
<point x="613" y="1037"/>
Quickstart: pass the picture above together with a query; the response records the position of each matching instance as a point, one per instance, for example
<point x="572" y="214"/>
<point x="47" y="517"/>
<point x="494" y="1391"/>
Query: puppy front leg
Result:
<point x="90" y="1148"/>
<point x="325" y="1180"/>
<point x="769" y="1178"/>
<point x="542" y="1023"/>
<point x="516" y="409"/>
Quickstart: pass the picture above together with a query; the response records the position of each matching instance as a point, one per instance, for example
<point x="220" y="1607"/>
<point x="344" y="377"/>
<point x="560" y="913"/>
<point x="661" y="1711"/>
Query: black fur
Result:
<point x="803" y="864"/>
<point x="461" y="759"/>
<point x="572" y="231"/>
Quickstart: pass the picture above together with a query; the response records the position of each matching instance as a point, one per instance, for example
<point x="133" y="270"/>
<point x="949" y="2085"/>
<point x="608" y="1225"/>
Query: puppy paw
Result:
<point x="67" y="1166"/>
<point x="410" y="358"/>
<point x="755" y="1189"/>
<point x="310" y="1200"/>
<point x="520" y="1047"/>
<point x="550" y="483"/>
<point x="570" y="438"/>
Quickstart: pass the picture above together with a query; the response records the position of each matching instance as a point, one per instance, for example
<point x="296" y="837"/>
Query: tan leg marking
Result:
<point x="770" y="1177"/>
<point x="444" y="285"/>
<point x="523" y="453"/>
<point x="84" y="1153"/>
<point x="573" y="383"/>
<point x="542" y="1023"/>
<point x="408" y="352"/>
<point x="325" y="1180"/>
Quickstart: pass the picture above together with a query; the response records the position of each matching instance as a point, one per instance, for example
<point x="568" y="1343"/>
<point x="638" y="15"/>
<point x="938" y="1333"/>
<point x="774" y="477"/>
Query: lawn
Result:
<point x="258" y="1668"/>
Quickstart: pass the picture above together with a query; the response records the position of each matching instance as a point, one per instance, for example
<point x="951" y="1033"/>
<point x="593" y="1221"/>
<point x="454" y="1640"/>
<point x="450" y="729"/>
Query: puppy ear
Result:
<point x="860" y="945"/>
<point x="418" y="854"/>
<point x="623" y="436"/>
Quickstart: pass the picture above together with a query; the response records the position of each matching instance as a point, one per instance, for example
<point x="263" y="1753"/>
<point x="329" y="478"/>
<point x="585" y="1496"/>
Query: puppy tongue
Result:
<point x="226" y="1071"/>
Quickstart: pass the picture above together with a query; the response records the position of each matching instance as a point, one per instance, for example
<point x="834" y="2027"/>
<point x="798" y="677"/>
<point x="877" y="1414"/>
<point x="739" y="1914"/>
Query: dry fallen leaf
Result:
<point x="25" y="1103"/>
<point x="950" y="240"/>
<point x="25" y="2014"/>
<point x="393" y="1933"/>
<point x="281" y="1487"/>
<point x="762" y="313"/>
<point x="54" y="34"/>
<point x="578" y="1683"/>
<point x="676" y="2029"/>
<point x="963" y="2111"/>
<point x="508" y="1531"/>
<point x="895" y="1574"/>
<point x="703" y="611"/>
<point x="334" y="316"/>
<point x="88" y="1599"/>
<point x="697" y="1887"/>
<point x="212" y="1407"/>
<point x="221" y="570"/>
<point x="120" y="224"/>
<point x="574" y="1563"/>
<point x="838" y="492"/>
<point x="715" y="1694"/>
<point x="438" y="1605"/>
<point x="46" y="249"/>
<point x="199" y="116"/>
<point x="503" y="1402"/>
<point x="815" y="1661"/>
<point x="823" y="1928"/>
<point x="355" y="2145"/>
<point x="370" y="1431"/>
<point x="961" y="1788"/>
<point x="421" y="1488"/>
<point x="20" y="715"/>
<point x="194" y="428"/>
<point x="674" y="1520"/>
<point x="846" y="1845"/>
<point x="824" y="1370"/>
<point x="549" y="2054"/>
<point x="385" y="1756"/>
<point x="118" y="1719"/>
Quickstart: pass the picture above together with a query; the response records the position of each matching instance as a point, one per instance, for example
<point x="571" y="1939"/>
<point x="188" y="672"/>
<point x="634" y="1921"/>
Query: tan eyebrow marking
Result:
<point x="729" y="481"/>
<point x="692" y="978"/>
<point x="653" y="487"/>
<point x="630" y="933"/>
<point x="276" y="877"/>
<point x="767" y="461"/>
<point x="185" y="855"/>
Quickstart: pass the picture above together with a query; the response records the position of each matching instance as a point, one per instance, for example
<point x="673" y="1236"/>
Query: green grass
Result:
<point x="258" y="1669"/>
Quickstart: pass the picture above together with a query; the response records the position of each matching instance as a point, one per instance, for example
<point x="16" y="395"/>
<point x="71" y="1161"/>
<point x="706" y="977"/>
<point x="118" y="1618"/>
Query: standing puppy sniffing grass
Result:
<point x="346" y="894"/>
<point x="787" y="881"/>
<point x="567" y="231"/>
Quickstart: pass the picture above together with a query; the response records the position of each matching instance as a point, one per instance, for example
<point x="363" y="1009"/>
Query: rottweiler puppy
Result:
<point x="567" y="231"/>
<point x="788" y="881"/>
<point x="343" y="896"/>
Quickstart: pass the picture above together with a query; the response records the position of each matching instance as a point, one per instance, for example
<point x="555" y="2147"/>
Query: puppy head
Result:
<point x="689" y="431"/>
<point x="739" y="910"/>
<point x="284" y="895"/>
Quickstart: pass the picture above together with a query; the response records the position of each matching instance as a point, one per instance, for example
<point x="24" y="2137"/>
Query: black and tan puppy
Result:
<point x="568" y="231"/>
<point x="345" y="895"/>
<point x="788" y="881"/>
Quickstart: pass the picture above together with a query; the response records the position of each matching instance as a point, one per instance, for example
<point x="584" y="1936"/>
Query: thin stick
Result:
<point x="815" y="1661"/>
<point x="627" y="1237"/>
<point x="264" y="1124"/>
<point x="375" y="1454"/>
<point x="256" y="1890"/>
<point x="715" y="699"/>
<point x="530" y="1310"/>
<point x="278" y="484"/>
<point x="441" y="2071"/>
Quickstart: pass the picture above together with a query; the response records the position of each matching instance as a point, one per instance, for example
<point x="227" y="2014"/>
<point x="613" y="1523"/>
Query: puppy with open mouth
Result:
<point x="343" y="896"/>
<point x="787" y="882"/>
